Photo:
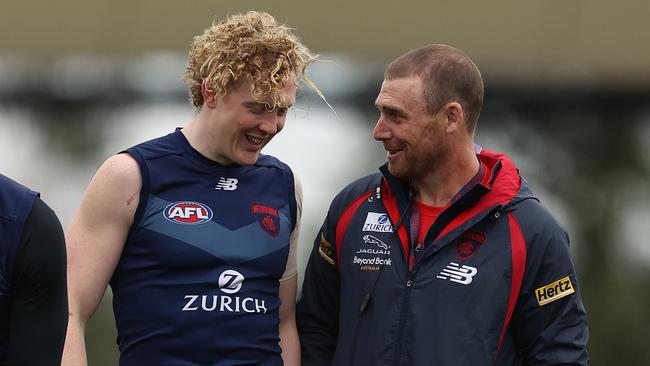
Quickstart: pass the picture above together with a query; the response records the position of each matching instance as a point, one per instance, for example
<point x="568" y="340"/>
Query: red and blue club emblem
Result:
<point x="468" y="243"/>
<point x="268" y="218"/>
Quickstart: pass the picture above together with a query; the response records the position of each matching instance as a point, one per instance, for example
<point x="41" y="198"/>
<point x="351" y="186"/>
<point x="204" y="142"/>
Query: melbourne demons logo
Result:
<point x="188" y="213"/>
<point x="468" y="243"/>
<point x="268" y="219"/>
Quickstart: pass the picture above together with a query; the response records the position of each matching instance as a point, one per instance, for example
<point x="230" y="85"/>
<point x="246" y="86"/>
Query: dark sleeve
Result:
<point x="317" y="311"/>
<point x="39" y="314"/>
<point x="549" y="323"/>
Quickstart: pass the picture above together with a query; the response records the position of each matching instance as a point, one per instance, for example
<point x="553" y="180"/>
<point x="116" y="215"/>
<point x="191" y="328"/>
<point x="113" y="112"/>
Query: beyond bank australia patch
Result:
<point x="373" y="254"/>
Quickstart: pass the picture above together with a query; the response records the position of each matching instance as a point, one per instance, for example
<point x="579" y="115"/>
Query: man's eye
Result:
<point x="392" y="114"/>
<point x="283" y="111"/>
<point x="258" y="109"/>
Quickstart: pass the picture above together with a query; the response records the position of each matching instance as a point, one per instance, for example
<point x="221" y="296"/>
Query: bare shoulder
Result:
<point x="119" y="171"/>
<point x="115" y="188"/>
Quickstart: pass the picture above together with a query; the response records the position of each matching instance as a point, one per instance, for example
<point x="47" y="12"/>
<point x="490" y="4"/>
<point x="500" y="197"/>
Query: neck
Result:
<point x="446" y="179"/>
<point x="199" y="135"/>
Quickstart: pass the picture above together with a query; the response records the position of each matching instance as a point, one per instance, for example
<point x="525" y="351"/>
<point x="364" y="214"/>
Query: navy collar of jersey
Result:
<point x="194" y="154"/>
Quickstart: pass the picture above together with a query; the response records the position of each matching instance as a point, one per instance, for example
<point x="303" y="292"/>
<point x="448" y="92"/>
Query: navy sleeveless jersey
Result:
<point x="197" y="283"/>
<point x="15" y="205"/>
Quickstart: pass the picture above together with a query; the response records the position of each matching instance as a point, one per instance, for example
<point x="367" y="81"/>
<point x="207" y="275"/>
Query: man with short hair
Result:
<point x="444" y="257"/>
<point x="196" y="231"/>
<point x="33" y="296"/>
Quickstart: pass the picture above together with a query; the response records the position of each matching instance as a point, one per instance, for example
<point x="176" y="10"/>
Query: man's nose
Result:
<point x="380" y="132"/>
<point x="270" y="123"/>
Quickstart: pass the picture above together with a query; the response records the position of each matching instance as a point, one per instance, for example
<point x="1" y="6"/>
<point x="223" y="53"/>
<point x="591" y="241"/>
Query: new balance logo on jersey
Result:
<point x="226" y="184"/>
<point x="456" y="273"/>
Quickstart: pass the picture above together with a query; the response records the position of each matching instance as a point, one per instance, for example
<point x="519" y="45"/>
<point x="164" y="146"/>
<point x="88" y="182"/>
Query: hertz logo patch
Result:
<point x="553" y="291"/>
<point x="325" y="250"/>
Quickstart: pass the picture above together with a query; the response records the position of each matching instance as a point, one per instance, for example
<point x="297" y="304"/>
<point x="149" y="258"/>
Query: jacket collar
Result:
<point x="498" y="185"/>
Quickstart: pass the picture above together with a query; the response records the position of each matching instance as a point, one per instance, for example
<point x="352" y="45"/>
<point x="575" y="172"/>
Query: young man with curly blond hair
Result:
<point x="196" y="231"/>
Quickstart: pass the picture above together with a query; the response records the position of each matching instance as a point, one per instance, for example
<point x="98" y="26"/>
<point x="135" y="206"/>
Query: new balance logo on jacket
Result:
<point x="457" y="273"/>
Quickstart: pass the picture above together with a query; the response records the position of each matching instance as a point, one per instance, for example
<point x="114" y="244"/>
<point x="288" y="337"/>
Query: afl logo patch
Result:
<point x="187" y="213"/>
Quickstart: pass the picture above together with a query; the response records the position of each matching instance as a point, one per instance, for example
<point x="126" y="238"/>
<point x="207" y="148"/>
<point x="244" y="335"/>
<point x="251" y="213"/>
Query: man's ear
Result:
<point x="455" y="117"/>
<point x="209" y="95"/>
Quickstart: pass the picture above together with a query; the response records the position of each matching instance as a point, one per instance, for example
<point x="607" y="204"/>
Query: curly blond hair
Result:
<point x="251" y="45"/>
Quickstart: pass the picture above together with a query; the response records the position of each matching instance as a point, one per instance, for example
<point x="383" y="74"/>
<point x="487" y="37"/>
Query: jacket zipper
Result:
<point x="400" y="332"/>
<point x="412" y="258"/>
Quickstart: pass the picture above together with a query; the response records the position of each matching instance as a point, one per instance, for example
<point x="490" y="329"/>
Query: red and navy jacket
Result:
<point x="491" y="284"/>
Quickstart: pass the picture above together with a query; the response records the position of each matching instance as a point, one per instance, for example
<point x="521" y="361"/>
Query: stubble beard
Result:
<point x="424" y="165"/>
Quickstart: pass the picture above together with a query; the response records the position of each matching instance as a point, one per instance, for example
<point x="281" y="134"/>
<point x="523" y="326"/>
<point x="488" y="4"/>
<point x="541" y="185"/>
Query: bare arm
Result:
<point x="95" y="239"/>
<point x="289" y="341"/>
<point x="288" y="331"/>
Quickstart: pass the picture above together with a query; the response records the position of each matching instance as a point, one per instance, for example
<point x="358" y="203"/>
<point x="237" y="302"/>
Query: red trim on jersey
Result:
<point x="518" y="248"/>
<point x="344" y="221"/>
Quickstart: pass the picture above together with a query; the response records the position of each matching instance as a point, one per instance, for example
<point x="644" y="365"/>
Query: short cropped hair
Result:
<point x="447" y="74"/>
<point x="253" y="46"/>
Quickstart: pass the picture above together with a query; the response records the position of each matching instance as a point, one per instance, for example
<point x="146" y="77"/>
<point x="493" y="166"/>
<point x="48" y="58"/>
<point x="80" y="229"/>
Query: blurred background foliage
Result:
<point x="568" y="97"/>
